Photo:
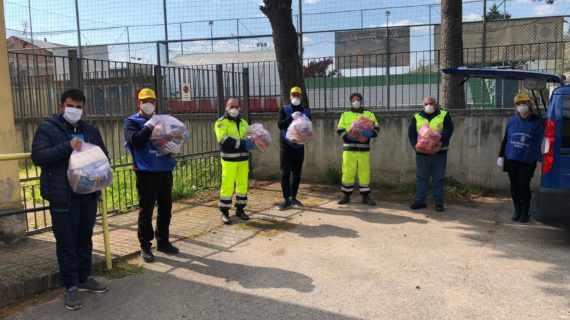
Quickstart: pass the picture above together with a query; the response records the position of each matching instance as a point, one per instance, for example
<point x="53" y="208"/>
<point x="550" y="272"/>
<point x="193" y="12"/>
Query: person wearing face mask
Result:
<point x="356" y="154"/>
<point x="73" y="215"/>
<point x="154" y="176"/>
<point x="292" y="154"/>
<point x="231" y="130"/>
<point x="519" y="153"/>
<point x="430" y="165"/>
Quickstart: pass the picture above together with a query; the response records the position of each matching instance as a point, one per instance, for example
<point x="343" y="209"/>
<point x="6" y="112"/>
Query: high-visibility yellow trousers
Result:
<point x="354" y="162"/>
<point x="234" y="174"/>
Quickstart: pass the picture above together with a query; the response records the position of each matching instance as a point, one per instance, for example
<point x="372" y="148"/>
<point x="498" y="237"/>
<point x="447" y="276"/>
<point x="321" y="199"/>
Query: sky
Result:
<point x="117" y="22"/>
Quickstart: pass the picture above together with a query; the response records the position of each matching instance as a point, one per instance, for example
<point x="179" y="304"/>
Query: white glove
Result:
<point x="500" y="161"/>
<point x="152" y="122"/>
<point x="172" y="148"/>
<point x="296" y="115"/>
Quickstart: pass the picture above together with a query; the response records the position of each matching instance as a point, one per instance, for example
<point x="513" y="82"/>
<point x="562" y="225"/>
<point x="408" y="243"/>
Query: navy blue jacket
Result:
<point x="51" y="151"/>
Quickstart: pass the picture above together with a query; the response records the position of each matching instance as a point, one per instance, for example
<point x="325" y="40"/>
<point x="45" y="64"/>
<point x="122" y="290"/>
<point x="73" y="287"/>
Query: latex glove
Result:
<point x="296" y="115"/>
<point x="367" y="133"/>
<point x="500" y="161"/>
<point x="172" y="148"/>
<point x="249" y="144"/>
<point x="152" y="122"/>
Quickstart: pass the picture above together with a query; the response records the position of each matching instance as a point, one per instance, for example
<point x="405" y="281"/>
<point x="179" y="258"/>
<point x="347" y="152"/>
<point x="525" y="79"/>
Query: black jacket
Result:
<point x="445" y="134"/>
<point x="51" y="151"/>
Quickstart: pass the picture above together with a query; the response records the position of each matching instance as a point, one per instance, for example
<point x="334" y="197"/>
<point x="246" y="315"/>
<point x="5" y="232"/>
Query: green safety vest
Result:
<point x="436" y="123"/>
<point x="348" y="117"/>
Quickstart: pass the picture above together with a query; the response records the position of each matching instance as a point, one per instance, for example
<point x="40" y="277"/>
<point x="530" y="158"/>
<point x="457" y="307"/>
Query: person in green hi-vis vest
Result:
<point x="430" y="165"/>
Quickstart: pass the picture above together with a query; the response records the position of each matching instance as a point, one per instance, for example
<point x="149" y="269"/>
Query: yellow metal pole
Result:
<point x="108" y="255"/>
<point x="14" y="156"/>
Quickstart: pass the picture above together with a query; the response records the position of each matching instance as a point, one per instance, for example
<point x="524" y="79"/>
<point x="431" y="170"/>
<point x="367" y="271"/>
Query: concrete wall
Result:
<point x="472" y="156"/>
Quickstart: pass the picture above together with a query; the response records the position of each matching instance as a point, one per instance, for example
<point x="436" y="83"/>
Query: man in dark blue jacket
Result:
<point x="154" y="176"/>
<point x="73" y="215"/>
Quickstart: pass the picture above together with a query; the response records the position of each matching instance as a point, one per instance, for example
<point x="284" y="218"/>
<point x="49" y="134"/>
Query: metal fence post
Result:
<point x="220" y="85"/>
<point x="245" y="83"/>
<point x="75" y="72"/>
<point x="158" y="87"/>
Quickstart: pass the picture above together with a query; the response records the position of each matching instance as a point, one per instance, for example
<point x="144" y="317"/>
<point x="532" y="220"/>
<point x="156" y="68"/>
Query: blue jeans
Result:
<point x="427" y="166"/>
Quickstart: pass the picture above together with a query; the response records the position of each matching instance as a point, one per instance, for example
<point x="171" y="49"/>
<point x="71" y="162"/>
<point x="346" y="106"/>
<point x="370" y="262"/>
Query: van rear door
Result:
<point x="564" y="154"/>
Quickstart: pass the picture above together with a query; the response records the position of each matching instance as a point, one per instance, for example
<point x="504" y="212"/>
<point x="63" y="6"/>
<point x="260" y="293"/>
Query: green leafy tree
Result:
<point x="495" y="14"/>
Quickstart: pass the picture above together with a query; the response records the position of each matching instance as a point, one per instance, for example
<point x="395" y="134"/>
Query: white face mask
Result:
<point x="522" y="108"/>
<point x="72" y="115"/>
<point x="429" y="109"/>
<point x="148" y="108"/>
<point x="295" y="101"/>
<point x="356" y="104"/>
<point x="233" y="112"/>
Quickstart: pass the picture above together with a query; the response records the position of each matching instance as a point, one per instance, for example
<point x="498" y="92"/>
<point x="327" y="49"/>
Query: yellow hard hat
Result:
<point x="296" y="90"/>
<point x="521" y="96"/>
<point x="147" y="93"/>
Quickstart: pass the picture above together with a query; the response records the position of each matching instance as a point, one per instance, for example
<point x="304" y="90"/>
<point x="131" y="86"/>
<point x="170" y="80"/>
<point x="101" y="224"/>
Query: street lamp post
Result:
<point x="211" y="24"/>
<point x="387" y="13"/>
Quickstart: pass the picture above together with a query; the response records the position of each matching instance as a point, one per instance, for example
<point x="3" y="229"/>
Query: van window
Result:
<point x="566" y="123"/>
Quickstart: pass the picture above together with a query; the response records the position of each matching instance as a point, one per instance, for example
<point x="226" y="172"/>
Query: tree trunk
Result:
<point x="285" y="40"/>
<point x="452" y="94"/>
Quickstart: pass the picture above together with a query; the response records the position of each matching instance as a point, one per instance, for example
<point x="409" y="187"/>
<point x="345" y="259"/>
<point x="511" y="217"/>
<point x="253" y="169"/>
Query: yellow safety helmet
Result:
<point x="296" y="90"/>
<point x="521" y="96"/>
<point x="147" y="93"/>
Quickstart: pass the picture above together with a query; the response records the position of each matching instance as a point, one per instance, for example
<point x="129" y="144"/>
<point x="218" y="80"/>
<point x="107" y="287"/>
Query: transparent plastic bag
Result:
<point x="168" y="129"/>
<point x="358" y="127"/>
<point x="89" y="169"/>
<point x="300" y="131"/>
<point x="257" y="133"/>
<point x="429" y="141"/>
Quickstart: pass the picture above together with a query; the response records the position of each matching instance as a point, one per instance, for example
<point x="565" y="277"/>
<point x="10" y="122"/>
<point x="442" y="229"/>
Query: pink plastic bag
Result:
<point x="429" y="141"/>
<point x="358" y="127"/>
<point x="300" y="131"/>
<point x="168" y="129"/>
<point x="257" y="133"/>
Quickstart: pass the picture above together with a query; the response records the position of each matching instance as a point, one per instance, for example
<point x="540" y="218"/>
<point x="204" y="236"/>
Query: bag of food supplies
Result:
<point x="89" y="169"/>
<point x="257" y="133"/>
<point x="358" y="127"/>
<point x="429" y="141"/>
<point x="168" y="129"/>
<point x="300" y="131"/>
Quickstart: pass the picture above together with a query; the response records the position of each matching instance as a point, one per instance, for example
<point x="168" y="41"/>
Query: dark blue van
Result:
<point x="551" y="204"/>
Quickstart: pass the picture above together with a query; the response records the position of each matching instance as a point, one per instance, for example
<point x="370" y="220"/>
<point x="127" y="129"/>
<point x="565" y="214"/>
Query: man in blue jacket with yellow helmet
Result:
<point x="430" y="165"/>
<point x="154" y="176"/>
<point x="231" y="130"/>
<point x="356" y="155"/>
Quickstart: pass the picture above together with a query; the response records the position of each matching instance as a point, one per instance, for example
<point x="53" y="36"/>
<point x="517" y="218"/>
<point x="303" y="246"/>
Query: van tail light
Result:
<point x="548" y="156"/>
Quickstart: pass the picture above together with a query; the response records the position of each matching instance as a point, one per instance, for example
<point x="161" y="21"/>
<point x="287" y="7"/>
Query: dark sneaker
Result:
<point x="285" y="205"/>
<point x="524" y="218"/>
<point x="146" y="254"/>
<point x="167" y="247"/>
<point x="72" y="300"/>
<point x="439" y="208"/>
<point x="516" y="216"/>
<point x="92" y="285"/>
<point x="367" y="200"/>
<point x="417" y="205"/>
<point x="345" y="199"/>
<point x="226" y="217"/>
<point x="241" y="214"/>
<point x="296" y="202"/>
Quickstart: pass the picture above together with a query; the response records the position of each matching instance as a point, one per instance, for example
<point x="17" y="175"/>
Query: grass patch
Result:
<point x="332" y="176"/>
<point x="466" y="191"/>
<point x="121" y="268"/>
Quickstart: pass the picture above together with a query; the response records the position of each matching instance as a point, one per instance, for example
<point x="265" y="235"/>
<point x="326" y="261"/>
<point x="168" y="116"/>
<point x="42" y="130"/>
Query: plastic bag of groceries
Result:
<point x="358" y="127"/>
<point x="257" y="133"/>
<point x="89" y="169"/>
<point x="300" y="131"/>
<point x="429" y="141"/>
<point x="168" y="129"/>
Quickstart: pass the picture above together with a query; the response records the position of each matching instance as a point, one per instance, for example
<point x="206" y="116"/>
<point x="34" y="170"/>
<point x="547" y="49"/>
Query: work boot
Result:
<point x="166" y="247"/>
<point x="524" y="217"/>
<point x="285" y="205"/>
<point x="344" y="200"/>
<point x="367" y="200"/>
<point x="226" y="217"/>
<point x="296" y="202"/>
<point x="516" y="215"/>
<point x="72" y="300"/>
<point x="92" y="285"/>
<point x="439" y="207"/>
<point x="146" y="254"/>
<point x="417" y="205"/>
<point x="241" y="214"/>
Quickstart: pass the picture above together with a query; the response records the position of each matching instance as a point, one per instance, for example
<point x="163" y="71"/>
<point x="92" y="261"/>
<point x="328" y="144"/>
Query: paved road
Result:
<point x="350" y="262"/>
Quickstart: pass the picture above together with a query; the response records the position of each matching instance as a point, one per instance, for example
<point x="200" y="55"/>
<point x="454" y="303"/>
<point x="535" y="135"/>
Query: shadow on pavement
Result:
<point x="361" y="212"/>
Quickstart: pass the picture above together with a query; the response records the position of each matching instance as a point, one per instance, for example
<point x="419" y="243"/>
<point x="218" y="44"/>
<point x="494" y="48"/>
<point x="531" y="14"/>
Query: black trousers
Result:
<point x="291" y="165"/>
<point x="520" y="175"/>
<point x="154" y="187"/>
<point x="72" y="227"/>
